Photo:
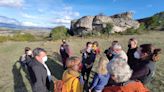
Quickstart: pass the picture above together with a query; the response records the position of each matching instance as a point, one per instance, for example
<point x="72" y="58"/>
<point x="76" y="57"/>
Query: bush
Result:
<point x="132" y="31"/>
<point x="108" y="29"/>
<point x="18" y="37"/>
<point x="156" y="21"/>
<point x="3" y="38"/>
<point x="142" y="27"/>
<point x="23" y="37"/>
<point x="152" y="23"/>
<point x="129" y="31"/>
<point x="59" y="32"/>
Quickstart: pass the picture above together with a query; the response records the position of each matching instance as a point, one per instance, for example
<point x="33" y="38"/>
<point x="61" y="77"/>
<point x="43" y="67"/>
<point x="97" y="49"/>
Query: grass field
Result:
<point x="13" y="78"/>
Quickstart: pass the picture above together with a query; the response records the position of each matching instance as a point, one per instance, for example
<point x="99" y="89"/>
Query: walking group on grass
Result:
<point x="115" y="71"/>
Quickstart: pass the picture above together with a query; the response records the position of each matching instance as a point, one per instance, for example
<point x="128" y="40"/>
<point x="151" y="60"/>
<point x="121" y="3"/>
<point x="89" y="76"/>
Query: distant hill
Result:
<point x="23" y="28"/>
<point x="13" y="24"/>
<point x="155" y="22"/>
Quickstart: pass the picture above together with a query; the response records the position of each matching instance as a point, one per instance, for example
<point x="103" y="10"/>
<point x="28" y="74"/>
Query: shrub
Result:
<point x="108" y="29"/>
<point x="3" y="38"/>
<point x="18" y="37"/>
<point x="142" y="27"/>
<point x="156" y="21"/>
<point x="152" y="23"/>
<point x="96" y="33"/>
<point x="22" y="37"/>
<point x="59" y="32"/>
<point x="129" y="31"/>
<point x="132" y="31"/>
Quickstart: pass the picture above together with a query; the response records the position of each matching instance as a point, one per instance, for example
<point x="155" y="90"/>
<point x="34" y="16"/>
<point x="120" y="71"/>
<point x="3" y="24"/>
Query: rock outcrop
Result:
<point x="82" y="25"/>
<point x="91" y="24"/>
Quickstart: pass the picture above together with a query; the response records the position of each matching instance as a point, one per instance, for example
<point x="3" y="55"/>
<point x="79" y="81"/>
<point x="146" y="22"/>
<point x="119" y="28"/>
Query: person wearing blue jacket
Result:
<point x="102" y="76"/>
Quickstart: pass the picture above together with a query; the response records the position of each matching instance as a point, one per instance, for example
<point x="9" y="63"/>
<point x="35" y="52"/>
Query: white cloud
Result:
<point x="76" y="13"/>
<point x="64" y="16"/>
<point x="60" y="14"/>
<point x="61" y="21"/>
<point x="41" y="10"/>
<point x="65" y="20"/>
<point x="57" y="16"/>
<point x="30" y="17"/>
<point x="4" y="19"/>
<point x="7" y="20"/>
<point x="12" y="3"/>
<point x="25" y="15"/>
<point x="66" y="12"/>
<point x="28" y="23"/>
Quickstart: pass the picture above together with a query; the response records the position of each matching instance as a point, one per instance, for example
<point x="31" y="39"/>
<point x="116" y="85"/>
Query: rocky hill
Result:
<point x="91" y="24"/>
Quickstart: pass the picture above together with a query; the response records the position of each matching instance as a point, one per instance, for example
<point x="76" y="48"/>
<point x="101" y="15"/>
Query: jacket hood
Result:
<point x="70" y="74"/>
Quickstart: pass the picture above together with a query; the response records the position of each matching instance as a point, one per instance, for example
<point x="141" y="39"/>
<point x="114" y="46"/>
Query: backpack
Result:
<point x="59" y="85"/>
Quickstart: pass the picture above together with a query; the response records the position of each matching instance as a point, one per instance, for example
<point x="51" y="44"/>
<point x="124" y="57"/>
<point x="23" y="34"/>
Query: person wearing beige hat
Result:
<point x="118" y="52"/>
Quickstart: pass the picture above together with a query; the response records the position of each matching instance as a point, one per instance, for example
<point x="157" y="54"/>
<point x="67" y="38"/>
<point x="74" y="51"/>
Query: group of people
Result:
<point x="116" y="71"/>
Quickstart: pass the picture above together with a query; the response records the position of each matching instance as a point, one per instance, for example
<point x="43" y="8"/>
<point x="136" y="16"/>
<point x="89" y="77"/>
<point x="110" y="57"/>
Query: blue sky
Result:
<point x="51" y="13"/>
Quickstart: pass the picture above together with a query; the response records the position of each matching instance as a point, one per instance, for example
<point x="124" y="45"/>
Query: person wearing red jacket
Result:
<point x="120" y="72"/>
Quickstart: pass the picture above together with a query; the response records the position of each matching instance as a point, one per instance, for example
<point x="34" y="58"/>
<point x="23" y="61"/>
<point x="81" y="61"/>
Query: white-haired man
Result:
<point x="120" y="72"/>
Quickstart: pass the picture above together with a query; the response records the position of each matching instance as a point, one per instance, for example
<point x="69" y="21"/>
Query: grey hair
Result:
<point x="120" y="70"/>
<point x="37" y="51"/>
<point x="117" y="46"/>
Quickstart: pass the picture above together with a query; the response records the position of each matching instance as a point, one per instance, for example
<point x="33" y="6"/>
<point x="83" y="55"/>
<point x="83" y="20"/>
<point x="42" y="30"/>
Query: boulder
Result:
<point x="128" y="15"/>
<point x="85" y="22"/>
<point x="90" y="24"/>
<point x="117" y="29"/>
<point x="82" y="26"/>
<point x="102" y="20"/>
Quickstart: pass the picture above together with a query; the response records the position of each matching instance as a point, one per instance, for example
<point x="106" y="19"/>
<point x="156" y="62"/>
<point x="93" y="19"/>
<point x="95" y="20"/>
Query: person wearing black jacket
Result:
<point x="108" y="52"/>
<point x="39" y="72"/>
<point x="88" y="58"/>
<point x="65" y="52"/>
<point x="132" y="48"/>
<point x="26" y="57"/>
<point x="146" y="68"/>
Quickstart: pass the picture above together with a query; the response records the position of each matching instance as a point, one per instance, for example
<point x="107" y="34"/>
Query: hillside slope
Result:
<point x="155" y="22"/>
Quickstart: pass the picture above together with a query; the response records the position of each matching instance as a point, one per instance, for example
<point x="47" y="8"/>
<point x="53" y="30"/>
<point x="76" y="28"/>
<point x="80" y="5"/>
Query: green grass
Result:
<point x="14" y="79"/>
<point x="18" y="37"/>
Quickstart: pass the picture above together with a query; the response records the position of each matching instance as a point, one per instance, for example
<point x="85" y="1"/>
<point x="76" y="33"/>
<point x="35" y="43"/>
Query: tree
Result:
<point x="108" y="29"/>
<point x="59" y="32"/>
